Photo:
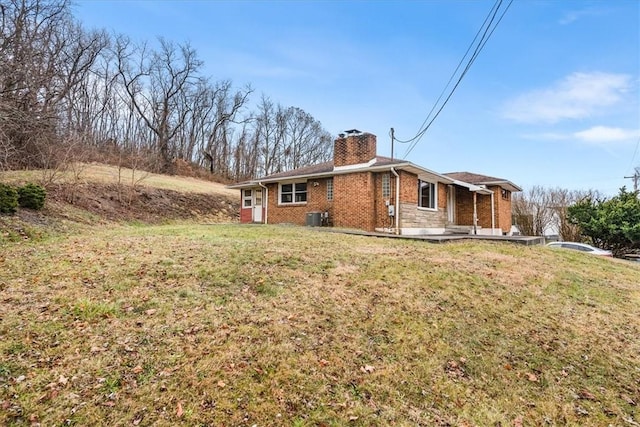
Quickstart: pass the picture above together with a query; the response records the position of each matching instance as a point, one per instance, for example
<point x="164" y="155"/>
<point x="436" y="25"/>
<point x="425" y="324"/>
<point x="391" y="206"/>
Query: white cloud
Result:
<point x="603" y="134"/>
<point x="597" y="135"/>
<point x="574" y="15"/>
<point x="577" y="96"/>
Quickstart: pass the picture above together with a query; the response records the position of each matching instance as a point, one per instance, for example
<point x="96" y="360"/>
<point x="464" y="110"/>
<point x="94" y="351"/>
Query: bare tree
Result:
<point x="157" y="82"/>
<point x="531" y="210"/>
<point x="226" y="109"/>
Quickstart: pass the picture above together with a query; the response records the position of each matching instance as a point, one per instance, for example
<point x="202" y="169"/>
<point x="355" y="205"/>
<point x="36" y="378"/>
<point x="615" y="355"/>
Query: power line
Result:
<point x="635" y="177"/>
<point x="487" y="29"/>
<point x="634" y="154"/>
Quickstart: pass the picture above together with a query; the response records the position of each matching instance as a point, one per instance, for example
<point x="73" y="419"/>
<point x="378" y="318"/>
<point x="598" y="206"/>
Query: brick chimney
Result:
<point x="354" y="147"/>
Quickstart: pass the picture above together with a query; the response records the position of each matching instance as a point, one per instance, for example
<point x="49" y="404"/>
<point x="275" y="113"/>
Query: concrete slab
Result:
<point x="440" y="238"/>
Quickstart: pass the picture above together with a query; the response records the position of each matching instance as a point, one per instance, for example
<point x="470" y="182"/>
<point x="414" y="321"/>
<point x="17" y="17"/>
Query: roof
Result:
<point x="477" y="179"/>
<point x="378" y="164"/>
<point x="327" y="169"/>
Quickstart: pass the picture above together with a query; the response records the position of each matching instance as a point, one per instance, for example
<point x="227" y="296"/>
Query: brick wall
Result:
<point x="503" y="209"/>
<point x="464" y="206"/>
<point x="297" y="213"/>
<point x="354" y="201"/>
<point x="354" y="149"/>
<point x="464" y="209"/>
<point x="408" y="188"/>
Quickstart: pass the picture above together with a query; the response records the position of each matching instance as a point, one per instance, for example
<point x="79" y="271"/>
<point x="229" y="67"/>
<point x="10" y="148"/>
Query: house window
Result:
<point x="426" y="194"/>
<point x="386" y="186"/>
<point x="330" y="189"/>
<point x="246" y="198"/>
<point x="295" y="192"/>
<point x="505" y="194"/>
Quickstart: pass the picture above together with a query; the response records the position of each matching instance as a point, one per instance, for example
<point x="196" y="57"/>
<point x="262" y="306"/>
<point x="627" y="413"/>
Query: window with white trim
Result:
<point x="246" y="198"/>
<point x="427" y="194"/>
<point x="330" y="189"/>
<point x="295" y="192"/>
<point x="386" y="186"/>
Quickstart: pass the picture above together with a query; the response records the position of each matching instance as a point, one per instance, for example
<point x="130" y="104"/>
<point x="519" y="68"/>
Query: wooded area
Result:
<point x="71" y="94"/>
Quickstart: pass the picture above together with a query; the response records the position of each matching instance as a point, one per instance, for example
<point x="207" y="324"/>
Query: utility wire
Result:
<point x="634" y="154"/>
<point x="422" y="126"/>
<point x="486" y="30"/>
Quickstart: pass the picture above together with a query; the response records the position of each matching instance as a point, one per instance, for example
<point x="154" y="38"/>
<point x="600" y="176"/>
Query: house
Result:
<point x="361" y="190"/>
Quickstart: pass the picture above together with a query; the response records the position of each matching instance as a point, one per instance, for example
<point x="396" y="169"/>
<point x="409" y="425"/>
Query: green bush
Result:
<point x="32" y="196"/>
<point x="8" y="199"/>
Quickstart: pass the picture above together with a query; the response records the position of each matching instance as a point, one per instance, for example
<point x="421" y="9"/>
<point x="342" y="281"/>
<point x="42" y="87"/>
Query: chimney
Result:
<point x="354" y="148"/>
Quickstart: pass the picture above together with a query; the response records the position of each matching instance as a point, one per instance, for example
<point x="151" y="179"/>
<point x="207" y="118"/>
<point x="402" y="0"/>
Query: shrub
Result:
<point x="8" y="199"/>
<point x="32" y="196"/>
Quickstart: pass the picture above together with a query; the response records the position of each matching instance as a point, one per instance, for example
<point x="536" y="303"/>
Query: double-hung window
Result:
<point x="295" y="192"/>
<point x="247" y="198"/>
<point x="426" y="194"/>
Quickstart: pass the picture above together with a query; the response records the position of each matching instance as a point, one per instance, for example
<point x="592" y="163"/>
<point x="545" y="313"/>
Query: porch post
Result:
<point x="475" y="213"/>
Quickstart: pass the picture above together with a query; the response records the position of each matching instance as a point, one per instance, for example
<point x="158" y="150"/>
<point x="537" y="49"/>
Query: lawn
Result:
<point x="265" y="325"/>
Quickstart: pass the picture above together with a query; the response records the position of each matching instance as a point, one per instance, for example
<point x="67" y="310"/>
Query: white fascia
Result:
<point x="356" y="166"/>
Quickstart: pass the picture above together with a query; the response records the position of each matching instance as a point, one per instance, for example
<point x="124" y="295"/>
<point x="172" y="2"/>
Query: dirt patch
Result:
<point x="114" y="202"/>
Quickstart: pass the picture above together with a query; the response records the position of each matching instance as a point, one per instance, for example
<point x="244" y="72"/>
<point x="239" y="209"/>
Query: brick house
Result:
<point x="361" y="190"/>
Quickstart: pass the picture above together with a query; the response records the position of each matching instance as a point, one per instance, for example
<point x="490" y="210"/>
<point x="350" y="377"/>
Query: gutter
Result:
<point x="266" y="197"/>
<point x="397" y="216"/>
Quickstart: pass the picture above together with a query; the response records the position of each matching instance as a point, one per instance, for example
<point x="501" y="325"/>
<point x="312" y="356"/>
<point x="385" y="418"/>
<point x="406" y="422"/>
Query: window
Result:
<point x="426" y="194"/>
<point x="293" y="193"/>
<point x="330" y="189"/>
<point x="386" y="186"/>
<point x="505" y="194"/>
<point x="246" y="198"/>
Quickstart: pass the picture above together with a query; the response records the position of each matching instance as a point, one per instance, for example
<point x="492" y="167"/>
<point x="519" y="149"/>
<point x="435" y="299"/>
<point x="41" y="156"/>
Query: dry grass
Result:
<point x="106" y="174"/>
<point x="261" y="325"/>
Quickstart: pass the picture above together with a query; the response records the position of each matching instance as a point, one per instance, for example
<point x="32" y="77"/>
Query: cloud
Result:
<point x="603" y="134"/>
<point x="577" y="96"/>
<point x="596" y="135"/>
<point x="572" y="16"/>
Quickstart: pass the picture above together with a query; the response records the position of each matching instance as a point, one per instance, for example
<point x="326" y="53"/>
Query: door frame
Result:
<point x="257" y="202"/>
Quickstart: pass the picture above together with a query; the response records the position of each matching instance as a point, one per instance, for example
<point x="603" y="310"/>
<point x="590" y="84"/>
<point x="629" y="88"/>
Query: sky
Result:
<point x="553" y="99"/>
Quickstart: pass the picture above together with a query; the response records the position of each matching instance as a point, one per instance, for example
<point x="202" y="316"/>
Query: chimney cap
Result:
<point x="352" y="132"/>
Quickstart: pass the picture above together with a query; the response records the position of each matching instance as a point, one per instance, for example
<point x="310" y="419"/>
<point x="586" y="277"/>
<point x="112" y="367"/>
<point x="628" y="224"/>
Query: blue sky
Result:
<point x="552" y="100"/>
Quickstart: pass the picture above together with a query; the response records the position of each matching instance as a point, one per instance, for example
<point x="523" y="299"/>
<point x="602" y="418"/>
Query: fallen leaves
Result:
<point x="586" y="395"/>
<point x="367" y="369"/>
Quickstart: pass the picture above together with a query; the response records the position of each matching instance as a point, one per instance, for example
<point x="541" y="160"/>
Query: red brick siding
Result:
<point x="354" y="149"/>
<point x="503" y="209"/>
<point x="353" y="201"/>
<point x="297" y="213"/>
<point x="246" y="215"/>
<point x="382" y="218"/>
<point x="408" y="188"/>
<point x="442" y="196"/>
<point x="464" y="206"/>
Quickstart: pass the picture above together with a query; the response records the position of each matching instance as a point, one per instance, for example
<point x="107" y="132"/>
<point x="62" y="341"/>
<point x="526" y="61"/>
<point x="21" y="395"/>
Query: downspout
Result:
<point x="266" y="197"/>
<point x="475" y="213"/>
<point x="397" y="216"/>
<point x="493" y="215"/>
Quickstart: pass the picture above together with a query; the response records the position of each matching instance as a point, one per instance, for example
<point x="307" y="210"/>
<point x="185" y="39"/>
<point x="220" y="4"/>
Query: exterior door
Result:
<point x="257" y="205"/>
<point x="451" y="204"/>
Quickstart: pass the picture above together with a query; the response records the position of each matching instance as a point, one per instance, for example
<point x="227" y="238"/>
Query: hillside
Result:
<point x="98" y="193"/>
<point x="289" y="326"/>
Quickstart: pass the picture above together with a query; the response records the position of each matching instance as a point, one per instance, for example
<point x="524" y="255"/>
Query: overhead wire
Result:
<point x="487" y="29"/>
<point x="634" y="155"/>
<point x="422" y="126"/>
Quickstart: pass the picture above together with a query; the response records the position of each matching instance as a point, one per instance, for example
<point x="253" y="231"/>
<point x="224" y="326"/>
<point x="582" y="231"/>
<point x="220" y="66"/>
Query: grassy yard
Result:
<point x="262" y="325"/>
